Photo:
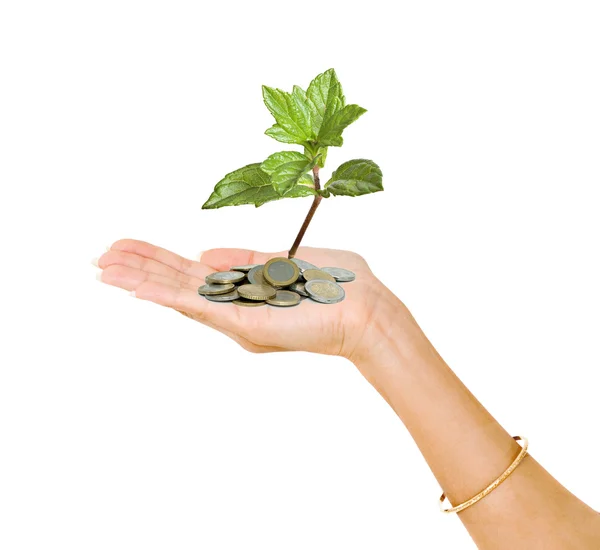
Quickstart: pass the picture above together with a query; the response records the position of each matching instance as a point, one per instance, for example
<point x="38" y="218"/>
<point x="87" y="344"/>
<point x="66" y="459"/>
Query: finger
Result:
<point x="166" y="257"/>
<point x="226" y="258"/>
<point x="130" y="278"/>
<point x="117" y="257"/>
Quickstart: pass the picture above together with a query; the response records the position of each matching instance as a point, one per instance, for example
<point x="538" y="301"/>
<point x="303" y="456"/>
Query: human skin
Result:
<point x="465" y="447"/>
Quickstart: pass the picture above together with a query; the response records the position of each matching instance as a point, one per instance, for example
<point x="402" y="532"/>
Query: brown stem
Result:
<point x="309" y="216"/>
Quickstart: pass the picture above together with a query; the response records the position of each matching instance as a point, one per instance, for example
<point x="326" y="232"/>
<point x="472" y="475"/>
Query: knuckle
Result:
<point x="185" y="265"/>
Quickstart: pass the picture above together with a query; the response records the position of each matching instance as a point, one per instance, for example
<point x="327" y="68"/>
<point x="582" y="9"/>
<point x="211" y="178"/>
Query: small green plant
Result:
<point x="314" y="119"/>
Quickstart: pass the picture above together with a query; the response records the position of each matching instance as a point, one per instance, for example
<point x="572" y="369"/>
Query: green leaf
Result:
<point x="288" y="174"/>
<point x="325" y="97"/>
<point x="294" y="193"/>
<point x="331" y="131"/>
<point x="311" y="150"/>
<point x="277" y="159"/>
<point x="292" y="114"/>
<point x="249" y="185"/>
<point x="308" y="180"/>
<point x="299" y="92"/>
<point x="301" y="101"/>
<point x="323" y="157"/>
<point x="355" y="177"/>
<point x="286" y="168"/>
<point x="278" y="133"/>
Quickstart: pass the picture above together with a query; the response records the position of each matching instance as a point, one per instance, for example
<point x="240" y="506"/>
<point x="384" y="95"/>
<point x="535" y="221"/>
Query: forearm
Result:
<point x="465" y="447"/>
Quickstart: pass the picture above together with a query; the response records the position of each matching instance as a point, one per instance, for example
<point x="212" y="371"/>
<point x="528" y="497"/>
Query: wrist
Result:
<point x="391" y="338"/>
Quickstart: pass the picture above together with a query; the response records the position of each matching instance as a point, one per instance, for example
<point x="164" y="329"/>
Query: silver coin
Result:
<point x="255" y="275"/>
<point x="224" y="277"/>
<point x="299" y="288"/>
<point x="340" y="274"/>
<point x="215" y="289"/>
<point x="324" y="291"/>
<point x="257" y="292"/>
<point x="284" y="298"/>
<point x="303" y="265"/>
<point x="229" y="297"/>
<point x="244" y="268"/>
<point x="309" y="274"/>
<point x="248" y="303"/>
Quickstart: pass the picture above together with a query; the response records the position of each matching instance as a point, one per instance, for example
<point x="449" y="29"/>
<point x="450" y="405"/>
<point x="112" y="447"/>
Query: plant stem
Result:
<point x="309" y="216"/>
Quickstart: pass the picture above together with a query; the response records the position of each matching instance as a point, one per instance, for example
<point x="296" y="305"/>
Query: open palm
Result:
<point x="170" y="280"/>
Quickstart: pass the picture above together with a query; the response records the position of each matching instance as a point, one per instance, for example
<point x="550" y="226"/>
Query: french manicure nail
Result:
<point x="199" y="255"/>
<point x="107" y="248"/>
<point x="99" y="276"/>
<point x="95" y="262"/>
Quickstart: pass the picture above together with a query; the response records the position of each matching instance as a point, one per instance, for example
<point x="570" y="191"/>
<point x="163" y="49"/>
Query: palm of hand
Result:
<point x="170" y="280"/>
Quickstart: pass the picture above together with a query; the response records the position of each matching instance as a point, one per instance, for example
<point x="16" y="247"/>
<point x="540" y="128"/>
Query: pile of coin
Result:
<point x="280" y="282"/>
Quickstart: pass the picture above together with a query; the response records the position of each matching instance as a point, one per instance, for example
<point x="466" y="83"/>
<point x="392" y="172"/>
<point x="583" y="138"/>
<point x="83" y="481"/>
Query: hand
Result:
<point x="170" y="280"/>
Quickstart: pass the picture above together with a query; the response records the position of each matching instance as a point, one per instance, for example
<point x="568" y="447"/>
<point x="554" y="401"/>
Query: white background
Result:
<point x="124" y="425"/>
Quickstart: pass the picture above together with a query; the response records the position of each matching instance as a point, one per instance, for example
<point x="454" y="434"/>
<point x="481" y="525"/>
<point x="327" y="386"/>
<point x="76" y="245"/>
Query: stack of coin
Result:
<point x="280" y="282"/>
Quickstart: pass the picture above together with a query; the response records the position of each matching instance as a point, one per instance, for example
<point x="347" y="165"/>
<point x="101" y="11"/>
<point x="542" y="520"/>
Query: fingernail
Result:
<point x="95" y="262"/>
<point x="199" y="255"/>
<point x="132" y="293"/>
<point x="107" y="248"/>
<point x="99" y="276"/>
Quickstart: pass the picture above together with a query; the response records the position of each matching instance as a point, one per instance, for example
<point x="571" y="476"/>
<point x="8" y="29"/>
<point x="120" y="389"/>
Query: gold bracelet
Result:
<point x="490" y="487"/>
